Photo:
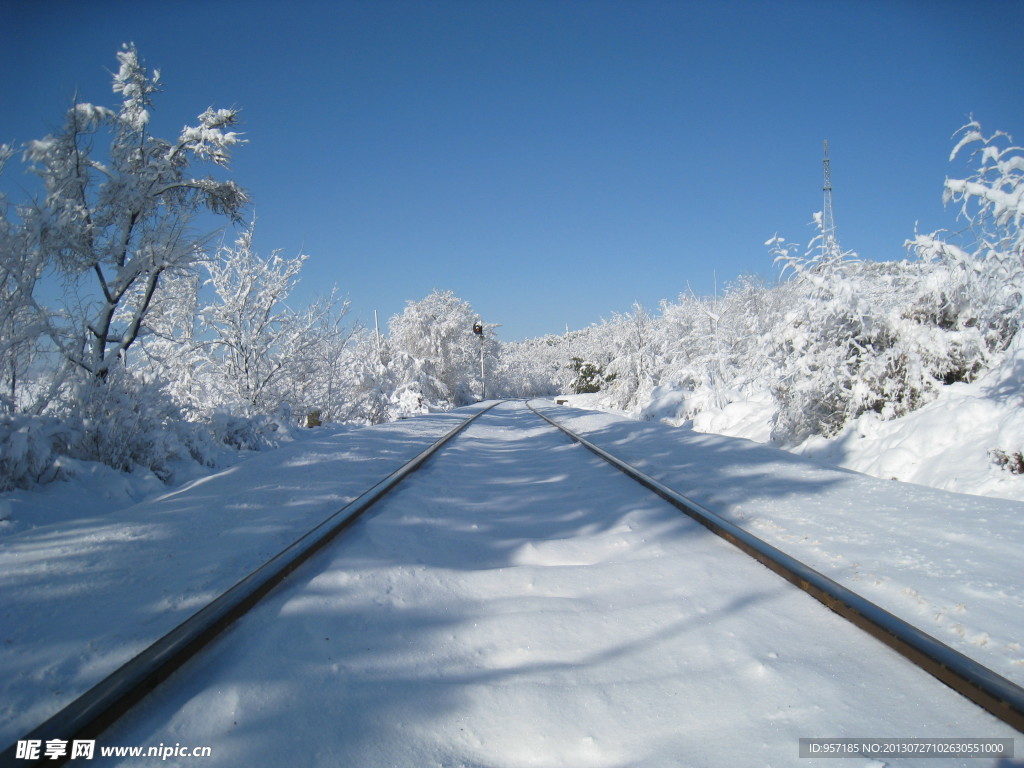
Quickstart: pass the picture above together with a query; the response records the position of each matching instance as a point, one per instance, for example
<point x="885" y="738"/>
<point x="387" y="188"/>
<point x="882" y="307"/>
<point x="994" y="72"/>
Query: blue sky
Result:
<point x="549" y="162"/>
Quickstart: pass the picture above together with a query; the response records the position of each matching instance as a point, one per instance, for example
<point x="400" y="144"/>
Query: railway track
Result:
<point x="96" y="710"/>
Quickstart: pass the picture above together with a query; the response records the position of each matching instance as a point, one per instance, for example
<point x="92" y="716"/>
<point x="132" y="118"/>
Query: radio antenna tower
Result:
<point x="829" y="245"/>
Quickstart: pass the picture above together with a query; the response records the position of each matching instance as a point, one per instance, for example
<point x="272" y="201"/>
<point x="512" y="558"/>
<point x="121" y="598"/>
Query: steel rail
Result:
<point x="999" y="696"/>
<point x="99" y="707"/>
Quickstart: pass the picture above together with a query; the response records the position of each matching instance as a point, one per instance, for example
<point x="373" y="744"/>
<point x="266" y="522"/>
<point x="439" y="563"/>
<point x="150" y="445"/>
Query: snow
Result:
<point x="750" y="416"/>
<point x="947" y="563"/>
<point x="83" y="588"/>
<point x="515" y="603"/>
<point x="949" y="443"/>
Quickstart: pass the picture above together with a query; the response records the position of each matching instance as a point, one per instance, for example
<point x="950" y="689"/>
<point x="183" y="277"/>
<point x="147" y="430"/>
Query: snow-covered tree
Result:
<point x="848" y="345"/>
<point x="172" y="350"/>
<point x="715" y="349"/>
<point x="112" y="222"/>
<point x="19" y="328"/>
<point x="634" y="357"/>
<point x="821" y="340"/>
<point x="436" y="355"/>
<point x="371" y="382"/>
<point x="535" y="367"/>
<point x="983" y="279"/>
<point x="112" y="225"/>
<point x="263" y="353"/>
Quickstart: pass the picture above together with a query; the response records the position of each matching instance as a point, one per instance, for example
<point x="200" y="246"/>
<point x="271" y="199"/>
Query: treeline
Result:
<point x="126" y="338"/>
<point x="835" y="337"/>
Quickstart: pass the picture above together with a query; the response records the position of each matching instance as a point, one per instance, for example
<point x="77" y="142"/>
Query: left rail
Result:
<point x="99" y="707"/>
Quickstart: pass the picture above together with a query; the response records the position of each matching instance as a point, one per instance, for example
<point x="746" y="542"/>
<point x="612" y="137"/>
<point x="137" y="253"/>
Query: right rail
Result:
<point x="999" y="696"/>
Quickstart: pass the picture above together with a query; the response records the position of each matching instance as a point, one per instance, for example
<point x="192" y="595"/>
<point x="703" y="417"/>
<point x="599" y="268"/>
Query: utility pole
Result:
<point x="830" y="245"/>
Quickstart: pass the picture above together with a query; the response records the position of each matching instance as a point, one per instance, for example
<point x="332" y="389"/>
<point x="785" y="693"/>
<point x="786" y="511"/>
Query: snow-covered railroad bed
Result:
<point x="516" y="603"/>
<point x="86" y="585"/>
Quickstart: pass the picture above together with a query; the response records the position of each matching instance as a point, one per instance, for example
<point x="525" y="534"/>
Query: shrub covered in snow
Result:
<point x="250" y="433"/>
<point x="128" y="423"/>
<point x="30" y="447"/>
<point x="839" y="336"/>
<point x="117" y="420"/>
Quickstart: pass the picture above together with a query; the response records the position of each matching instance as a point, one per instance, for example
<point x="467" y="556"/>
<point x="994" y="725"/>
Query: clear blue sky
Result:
<point x="550" y="162"/>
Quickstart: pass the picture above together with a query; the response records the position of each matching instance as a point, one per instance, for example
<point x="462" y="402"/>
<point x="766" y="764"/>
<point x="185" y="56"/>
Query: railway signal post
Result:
<point x="478" y="329"/>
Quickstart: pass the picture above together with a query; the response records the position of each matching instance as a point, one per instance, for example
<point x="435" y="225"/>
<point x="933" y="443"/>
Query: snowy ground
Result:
<point x="83" y="588"/>
<point x="519" y="606"/>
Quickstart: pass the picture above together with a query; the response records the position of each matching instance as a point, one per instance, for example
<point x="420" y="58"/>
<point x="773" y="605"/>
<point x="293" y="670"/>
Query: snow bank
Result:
<point x="743" y="416"/>
<point x="970" y="439"/>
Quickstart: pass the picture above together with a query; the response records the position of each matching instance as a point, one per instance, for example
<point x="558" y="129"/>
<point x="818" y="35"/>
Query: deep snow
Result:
<point x="947" y="443"/>
<point x="519" y="606"/>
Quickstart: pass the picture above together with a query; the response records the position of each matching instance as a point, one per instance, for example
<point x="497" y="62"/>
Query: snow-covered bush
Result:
<point x="840" y="336"/>
<point x="635" y="364"/>
<point x="128" y="423"/>
<point x="880" y="337"/>
<point x="118" y="420"/>
<point x="824" y="344"/>
<point x="589" y="377"/>
<point x="249" y="433"/>
<point x="716" y="349"/>
<point x="983" y="287"/>
<point x="369" y="379"/>
<point x="534" y="367"/>
<point x="30" y="447"/>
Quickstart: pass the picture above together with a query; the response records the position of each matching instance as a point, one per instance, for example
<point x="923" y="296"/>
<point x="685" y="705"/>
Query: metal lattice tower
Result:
<point x="830" y="245"/>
